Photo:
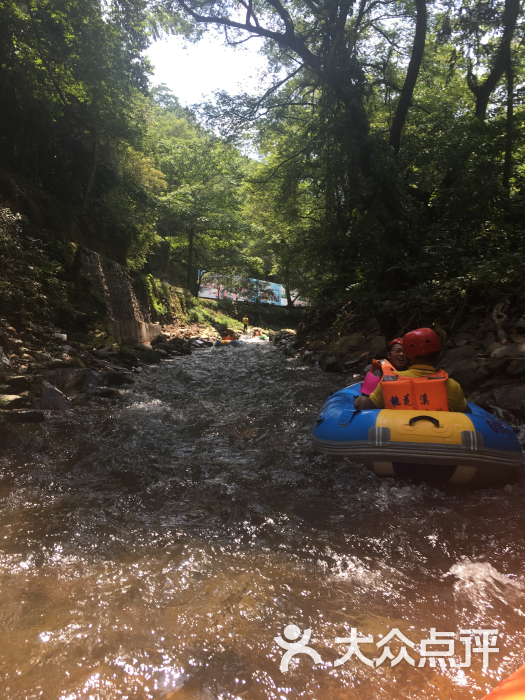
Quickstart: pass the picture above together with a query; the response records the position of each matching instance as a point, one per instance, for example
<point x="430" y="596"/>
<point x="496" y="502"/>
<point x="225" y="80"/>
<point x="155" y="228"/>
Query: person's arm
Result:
<point x="363" y="403"/>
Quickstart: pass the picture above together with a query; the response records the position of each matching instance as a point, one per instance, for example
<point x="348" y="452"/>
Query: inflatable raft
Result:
<point x="219" y="343"/>
<point x="440" y="446"/>
<point x="512" y="688"/>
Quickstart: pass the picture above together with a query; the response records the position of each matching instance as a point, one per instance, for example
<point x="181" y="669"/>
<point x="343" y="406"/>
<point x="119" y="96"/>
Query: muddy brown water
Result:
<point x="154" y="546"/>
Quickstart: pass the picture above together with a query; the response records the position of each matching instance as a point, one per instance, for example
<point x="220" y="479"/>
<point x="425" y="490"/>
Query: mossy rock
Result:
<point x="354" y="344"/>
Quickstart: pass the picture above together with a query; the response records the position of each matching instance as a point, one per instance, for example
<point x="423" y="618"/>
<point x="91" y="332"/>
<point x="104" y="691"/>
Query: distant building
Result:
<point x="269" y="293"/>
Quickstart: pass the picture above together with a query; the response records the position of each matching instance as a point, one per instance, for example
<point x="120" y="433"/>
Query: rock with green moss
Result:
<point x="347" y="349"/>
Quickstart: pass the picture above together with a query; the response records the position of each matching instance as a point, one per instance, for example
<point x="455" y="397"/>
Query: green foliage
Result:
<point x="157" y="294"/>
<point x="329" y="209"/>
<point x="168" y="302"/>
<point x="341" y="216"/>
<point x="200" y="207"/>
<point x="31" y="280"/>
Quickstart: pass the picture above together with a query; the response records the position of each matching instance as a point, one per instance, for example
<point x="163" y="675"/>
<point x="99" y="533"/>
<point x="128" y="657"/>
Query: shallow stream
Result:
<point x="153" y="546"/>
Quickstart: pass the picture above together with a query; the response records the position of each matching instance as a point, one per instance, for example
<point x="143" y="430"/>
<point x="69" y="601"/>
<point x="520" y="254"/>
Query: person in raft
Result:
<point x="246" y="321"/>
<point x="420" y="388"/>
<point x="394" y="356"/>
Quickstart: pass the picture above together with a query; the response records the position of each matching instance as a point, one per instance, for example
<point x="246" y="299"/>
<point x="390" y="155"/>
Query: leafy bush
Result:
<point x="30" y="275"/>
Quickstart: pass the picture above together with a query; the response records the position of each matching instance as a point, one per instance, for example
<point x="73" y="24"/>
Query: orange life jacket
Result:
<point x="414" y="393"/>
<point x="380" y="365"/>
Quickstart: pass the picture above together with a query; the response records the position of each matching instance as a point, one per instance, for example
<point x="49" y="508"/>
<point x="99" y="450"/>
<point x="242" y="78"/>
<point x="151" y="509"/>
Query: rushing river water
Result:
<point x="153" y="547"/>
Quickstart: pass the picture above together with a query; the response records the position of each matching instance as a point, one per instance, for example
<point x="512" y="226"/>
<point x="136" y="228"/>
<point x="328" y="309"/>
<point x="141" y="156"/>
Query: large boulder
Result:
<point x="463" y="338"/>
<point x="11" y="401"/>
<point x="119" y="378"/>
<point x="347" y="349"/>
<point x="53" y="399"/>
<point x="355" y="345"/>
<point x="19" y="383"/>
<point x="4" y="360"/>
<point x="128" y="359"/>
<point x="180" y="345"/>
<point x="67" y="378"/>
<point x="23" y="415"/>
<point x="465" y="352"/>
<point x="331" y="363"/>
<point x="315" y="345"/>
<point x="462" y="367"/>
<point x="516" y="368"/>
<point x="511" y="398"/>
<point x="513" y="350"/>
<point x="469" y="373"/>
<point x="161" y="338"/>
<point x="93" y="381"/>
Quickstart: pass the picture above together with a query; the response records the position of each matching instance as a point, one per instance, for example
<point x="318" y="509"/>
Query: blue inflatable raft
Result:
<point x="439" y="446"/>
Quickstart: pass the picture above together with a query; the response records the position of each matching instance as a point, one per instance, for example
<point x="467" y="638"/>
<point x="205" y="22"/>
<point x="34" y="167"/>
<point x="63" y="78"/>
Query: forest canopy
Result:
<point x="389" y="171"/>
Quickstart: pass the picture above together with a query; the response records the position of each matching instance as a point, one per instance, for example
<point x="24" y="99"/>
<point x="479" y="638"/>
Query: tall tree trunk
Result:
<point x="414" y="65"/>
<point x="83" y="217"/>
<point x="91" y="181"/>
<point x="191" y="271"/>
<point x="502" y="59"/>
<point x="287" y="284"/>
<point x="190" y="257"/>
<point x="509" y="127"/>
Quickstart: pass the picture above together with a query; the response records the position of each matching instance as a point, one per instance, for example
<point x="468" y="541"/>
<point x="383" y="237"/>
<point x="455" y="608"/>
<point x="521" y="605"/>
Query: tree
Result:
<point x="201" y="205"/>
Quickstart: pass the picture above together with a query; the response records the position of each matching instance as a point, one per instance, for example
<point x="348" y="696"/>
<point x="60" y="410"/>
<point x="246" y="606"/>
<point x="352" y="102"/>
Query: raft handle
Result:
<point x="415" y="419"/>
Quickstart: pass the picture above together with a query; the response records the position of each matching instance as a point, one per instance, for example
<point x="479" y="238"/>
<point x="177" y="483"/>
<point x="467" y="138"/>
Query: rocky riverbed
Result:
<point x="43" y="368"/>
<point x="154" y="544"/>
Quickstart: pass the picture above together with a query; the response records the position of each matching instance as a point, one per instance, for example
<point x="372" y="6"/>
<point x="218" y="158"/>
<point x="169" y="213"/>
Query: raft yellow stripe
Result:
<point x="451" y="425"/>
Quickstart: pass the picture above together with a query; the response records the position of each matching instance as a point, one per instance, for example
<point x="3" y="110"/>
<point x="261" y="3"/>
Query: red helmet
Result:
<point x="423" y="341"/>
<point x="393" y="342"/>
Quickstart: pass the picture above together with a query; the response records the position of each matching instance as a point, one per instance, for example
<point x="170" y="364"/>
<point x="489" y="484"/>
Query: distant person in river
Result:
<point x="420" y="388"/>
<point x="229" y="335"/>
<point x="246" y="321"/>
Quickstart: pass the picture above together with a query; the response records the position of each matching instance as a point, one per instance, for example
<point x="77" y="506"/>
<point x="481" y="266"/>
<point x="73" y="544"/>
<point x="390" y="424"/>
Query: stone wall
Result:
<point x="128" y="309"/>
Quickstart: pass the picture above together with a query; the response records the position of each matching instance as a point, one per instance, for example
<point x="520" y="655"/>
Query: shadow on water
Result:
<point x="155" y="546"/>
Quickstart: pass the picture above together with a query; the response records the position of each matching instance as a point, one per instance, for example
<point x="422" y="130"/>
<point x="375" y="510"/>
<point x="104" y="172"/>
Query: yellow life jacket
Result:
<point x="414" y="393"/>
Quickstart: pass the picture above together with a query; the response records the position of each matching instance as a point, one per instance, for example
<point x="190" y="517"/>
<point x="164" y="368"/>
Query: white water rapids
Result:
<point x="154" y="546"/>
